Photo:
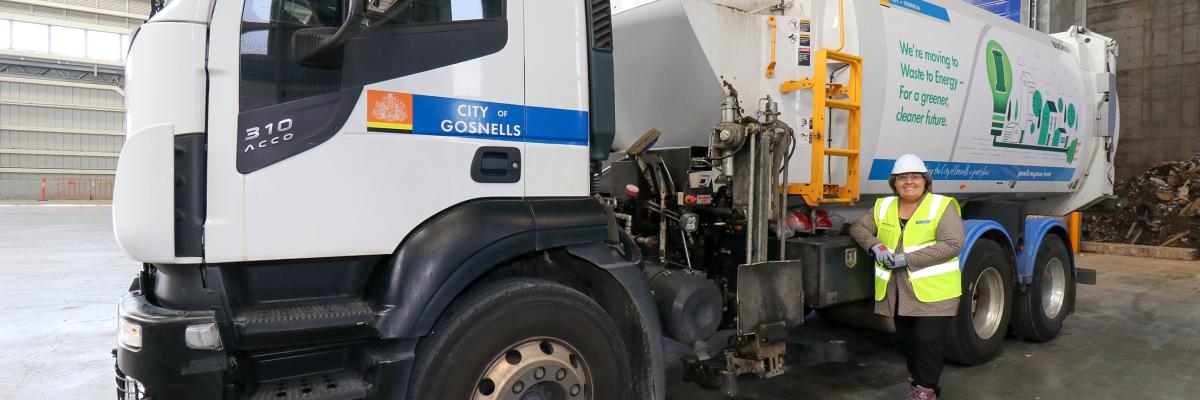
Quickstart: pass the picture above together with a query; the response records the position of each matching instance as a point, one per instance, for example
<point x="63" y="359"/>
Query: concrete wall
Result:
<point x="1158" y="78"/>
<point x="1053" y="16"/>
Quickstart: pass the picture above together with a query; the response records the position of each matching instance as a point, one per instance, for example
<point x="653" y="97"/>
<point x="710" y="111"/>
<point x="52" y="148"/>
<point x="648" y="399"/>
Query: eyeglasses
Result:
<point x="911" y="176"/>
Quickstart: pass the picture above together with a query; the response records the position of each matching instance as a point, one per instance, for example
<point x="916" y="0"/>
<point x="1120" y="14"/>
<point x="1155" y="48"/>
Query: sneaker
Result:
<point x="919" y="392"/>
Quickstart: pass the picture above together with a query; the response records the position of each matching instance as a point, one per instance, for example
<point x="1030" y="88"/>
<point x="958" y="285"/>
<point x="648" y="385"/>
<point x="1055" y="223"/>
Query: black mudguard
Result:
<point x="627" y="273"/>
<point x="443" y="257"/>
<point x="440" y="259"/>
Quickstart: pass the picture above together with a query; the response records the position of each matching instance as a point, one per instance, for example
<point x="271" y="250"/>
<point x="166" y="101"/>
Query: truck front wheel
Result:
<point x="983" y="311"/>
<point x="523" y="339"/>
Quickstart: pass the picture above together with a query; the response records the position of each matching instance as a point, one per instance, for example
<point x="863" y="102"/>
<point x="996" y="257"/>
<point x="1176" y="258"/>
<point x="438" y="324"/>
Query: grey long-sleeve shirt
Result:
<point x="950" y="237"/>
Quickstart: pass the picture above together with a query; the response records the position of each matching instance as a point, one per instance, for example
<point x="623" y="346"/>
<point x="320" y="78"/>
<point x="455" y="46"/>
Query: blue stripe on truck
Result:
<point x="445" y="116"/>
<point x="923" y="7"/>
<point x="557" y="126"/>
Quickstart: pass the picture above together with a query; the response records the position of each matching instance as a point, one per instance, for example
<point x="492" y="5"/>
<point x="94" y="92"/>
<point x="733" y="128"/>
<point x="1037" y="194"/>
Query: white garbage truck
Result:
<point x="520" y="199"/>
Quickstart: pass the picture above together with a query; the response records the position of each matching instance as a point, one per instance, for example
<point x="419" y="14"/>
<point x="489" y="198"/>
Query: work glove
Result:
<point x="899" y="260"/>
<point x="882" y="254"/>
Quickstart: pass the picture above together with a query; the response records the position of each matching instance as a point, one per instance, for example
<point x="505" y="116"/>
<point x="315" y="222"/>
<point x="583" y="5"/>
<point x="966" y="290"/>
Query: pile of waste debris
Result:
<point x="1159" y="208"/>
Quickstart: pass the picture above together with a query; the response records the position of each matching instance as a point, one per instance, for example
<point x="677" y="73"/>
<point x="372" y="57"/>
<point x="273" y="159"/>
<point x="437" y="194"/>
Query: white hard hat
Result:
<point x="909" y="163"/>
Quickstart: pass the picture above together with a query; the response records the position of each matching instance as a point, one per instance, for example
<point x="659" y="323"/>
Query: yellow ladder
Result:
<point x="830" y="96"/>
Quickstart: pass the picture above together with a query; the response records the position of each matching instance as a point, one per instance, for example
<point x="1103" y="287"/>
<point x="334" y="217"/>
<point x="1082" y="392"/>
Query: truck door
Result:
<point x="556" y="90"/>
<point x="337" y="126"/>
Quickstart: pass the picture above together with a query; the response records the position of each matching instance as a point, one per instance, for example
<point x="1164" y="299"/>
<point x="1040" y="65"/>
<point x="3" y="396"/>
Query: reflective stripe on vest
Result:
<point x="933" y="283"/>
<point x="881" y="209"/>
<point x="948" y="266"/>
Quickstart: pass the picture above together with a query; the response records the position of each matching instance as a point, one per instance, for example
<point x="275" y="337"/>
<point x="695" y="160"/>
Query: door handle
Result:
<point x="494" y="164"/>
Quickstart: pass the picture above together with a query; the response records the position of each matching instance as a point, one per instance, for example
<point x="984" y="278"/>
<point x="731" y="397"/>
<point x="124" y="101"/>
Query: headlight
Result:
<point x="203" y="337"/>
<point x="129" y="334"/>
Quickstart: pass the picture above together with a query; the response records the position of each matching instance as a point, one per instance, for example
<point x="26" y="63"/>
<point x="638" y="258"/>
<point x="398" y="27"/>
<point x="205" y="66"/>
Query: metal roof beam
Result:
<point x="59" y="171"/>
<point x="57" y="59"/>
<point x="60" y="105"/>
<point x="49" y="82"/>
<point x="94" y="26"/>
<point x="59" y="153"/>
<point x="20" y="128"/>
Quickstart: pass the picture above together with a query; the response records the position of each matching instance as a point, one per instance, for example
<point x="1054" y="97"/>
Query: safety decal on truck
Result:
<point x="396" y="112"/>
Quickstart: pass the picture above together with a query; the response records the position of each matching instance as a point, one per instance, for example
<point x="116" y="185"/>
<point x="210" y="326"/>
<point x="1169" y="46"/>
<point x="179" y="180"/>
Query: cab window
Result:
<point x="283" y="60"/>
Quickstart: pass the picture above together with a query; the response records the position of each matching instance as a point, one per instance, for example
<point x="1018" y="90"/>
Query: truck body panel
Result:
<point x="934" y="63"/>
<point x="144" y="201"/>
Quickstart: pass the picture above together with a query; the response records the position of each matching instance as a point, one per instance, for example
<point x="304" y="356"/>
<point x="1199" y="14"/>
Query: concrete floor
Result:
<point x="61" y="273"/>
<point x="1136" y="335"/>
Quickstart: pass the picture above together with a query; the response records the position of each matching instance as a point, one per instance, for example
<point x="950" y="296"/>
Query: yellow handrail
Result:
<point x="817" y="192"/>
<point x="771" y="66"/>
<point x="841" y="27"/>
<point x="827" y="96"/>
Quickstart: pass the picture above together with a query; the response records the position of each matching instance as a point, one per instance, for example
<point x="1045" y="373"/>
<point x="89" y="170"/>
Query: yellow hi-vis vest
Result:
<point x="933" y="283"/>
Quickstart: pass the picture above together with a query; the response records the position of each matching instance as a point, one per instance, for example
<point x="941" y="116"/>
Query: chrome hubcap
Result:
<point x="1054" y="288"/>
<point x="539" y="369"/>
<point x="987" y="303"/>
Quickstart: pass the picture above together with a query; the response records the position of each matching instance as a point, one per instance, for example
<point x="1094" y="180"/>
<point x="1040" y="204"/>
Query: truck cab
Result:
<point x="312" y="184"/>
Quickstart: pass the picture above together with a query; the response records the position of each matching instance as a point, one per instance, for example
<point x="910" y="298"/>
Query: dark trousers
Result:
<point x="922" y="340"/>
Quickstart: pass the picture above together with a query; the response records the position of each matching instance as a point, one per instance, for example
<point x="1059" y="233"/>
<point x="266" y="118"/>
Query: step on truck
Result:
<point x="522" y="199"/>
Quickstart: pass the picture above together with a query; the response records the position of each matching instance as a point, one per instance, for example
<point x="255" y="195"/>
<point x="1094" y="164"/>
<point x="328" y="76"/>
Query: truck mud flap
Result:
<point x="769" y="293"/>
<point x="1085" y="276"/>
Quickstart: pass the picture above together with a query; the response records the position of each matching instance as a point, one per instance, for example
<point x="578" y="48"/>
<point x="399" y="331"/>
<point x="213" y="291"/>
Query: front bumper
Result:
<point x="164" y="367"/>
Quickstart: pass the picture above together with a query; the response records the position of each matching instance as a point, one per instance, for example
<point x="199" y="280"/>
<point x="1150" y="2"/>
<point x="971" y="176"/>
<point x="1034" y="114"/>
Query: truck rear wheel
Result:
<point x="523" y="339"/>
<point x="1040" y="310"/>
<point x="984" y="308"/>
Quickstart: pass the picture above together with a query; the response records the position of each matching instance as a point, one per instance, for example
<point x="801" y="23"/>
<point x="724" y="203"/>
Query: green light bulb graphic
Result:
<point x="1000" y="79"/>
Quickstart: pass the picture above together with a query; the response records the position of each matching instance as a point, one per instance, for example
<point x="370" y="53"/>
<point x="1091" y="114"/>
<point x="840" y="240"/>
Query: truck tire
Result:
<point x="1039" y="311"/>
<point x="985" y="306"/>
<point x="521" y="338"/>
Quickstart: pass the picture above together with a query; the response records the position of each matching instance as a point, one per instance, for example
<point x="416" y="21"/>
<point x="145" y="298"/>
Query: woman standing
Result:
<point x="915" y="238"/>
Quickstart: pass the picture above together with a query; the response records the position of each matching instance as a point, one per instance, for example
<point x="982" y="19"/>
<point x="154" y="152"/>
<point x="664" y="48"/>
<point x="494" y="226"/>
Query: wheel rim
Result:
<point x="538" y="369"/>
<point x="987" y="303"/>
<point x="1054" y="288"/>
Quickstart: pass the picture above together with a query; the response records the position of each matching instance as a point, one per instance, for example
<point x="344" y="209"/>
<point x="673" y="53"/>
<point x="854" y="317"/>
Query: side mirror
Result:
<point x="317" y="47"/>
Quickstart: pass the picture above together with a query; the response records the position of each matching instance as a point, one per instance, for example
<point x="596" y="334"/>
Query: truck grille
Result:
<point x="129" y="388"/>
<point x="602" y="38"/>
